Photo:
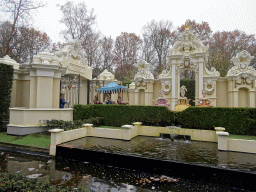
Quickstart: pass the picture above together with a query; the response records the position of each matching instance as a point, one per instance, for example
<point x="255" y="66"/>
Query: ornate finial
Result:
<point x="187" y="27"/>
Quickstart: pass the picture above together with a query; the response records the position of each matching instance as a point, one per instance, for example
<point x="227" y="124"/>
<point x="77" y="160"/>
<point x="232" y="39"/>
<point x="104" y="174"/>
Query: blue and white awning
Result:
<point x="112" y="88"/>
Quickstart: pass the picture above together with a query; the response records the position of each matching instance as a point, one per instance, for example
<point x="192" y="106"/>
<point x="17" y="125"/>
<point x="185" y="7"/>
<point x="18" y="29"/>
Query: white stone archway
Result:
<point x="189" y="53"/>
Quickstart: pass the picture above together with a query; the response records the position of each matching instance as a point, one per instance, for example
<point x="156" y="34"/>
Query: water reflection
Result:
<point x="194" y="151"/>
<point x="95" y="177"/>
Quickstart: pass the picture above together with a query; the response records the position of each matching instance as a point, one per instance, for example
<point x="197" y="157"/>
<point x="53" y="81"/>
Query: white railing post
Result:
<point x="55" y="140"/>
<point x="222" y="138"/>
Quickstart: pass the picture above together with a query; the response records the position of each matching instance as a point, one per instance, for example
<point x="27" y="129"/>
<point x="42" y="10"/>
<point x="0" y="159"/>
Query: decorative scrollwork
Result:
<point x="209" y="86"/>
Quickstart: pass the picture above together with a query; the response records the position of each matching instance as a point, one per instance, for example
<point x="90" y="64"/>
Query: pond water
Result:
<point x="97" y="177"/>
<point x="196" y="152"/>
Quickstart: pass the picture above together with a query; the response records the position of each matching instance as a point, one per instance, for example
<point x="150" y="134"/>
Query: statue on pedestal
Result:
<point x="183" y="102"/>
<point x="162" y="101"/>
<point x="203" y="102"/>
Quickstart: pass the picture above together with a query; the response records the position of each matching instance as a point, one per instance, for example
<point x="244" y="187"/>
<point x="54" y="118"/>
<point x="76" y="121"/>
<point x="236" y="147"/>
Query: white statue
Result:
<point x="143" y="70"/>
<point x="188" y="43"/>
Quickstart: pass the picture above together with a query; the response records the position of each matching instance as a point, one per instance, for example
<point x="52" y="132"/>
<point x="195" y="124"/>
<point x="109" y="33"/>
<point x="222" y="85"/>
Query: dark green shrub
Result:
<point x="66" y="125"/>
<point x="239" y="121"/>
<point x="190" y="85"/>
<point x="96" y="121"/>
<point x="117" y="115"/>
<point x="6" y="78"/>
<point x="11" y="182"/>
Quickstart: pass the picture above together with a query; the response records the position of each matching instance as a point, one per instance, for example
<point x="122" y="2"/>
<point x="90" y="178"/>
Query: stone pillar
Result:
<point x="138" y="127"/>
<point x="235" y="98"/>
<point x="88" y="127"/>
<point x="252" y="98"/>
<point x="55" y="140"/>
<point x="14" y="89"/>
<point x="45" y="74"/>
<point x="132" y="94"/>
<point x="222" y="140"/>
<point x="56" y="92"/>
<point x="200" y="79"/>
<point x="173" y="86"/>
<point x="127" y="134"/>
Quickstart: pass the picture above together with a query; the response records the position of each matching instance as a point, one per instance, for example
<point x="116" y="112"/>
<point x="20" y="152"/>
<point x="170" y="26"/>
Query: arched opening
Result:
<point x="141" y="97"/>
<point x="188" y="79"/>
<point x="243" y="97"/>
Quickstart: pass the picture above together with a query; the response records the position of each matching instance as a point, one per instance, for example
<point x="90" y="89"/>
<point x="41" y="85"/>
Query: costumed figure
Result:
<point x="62" y="101"/>
<point x="120" y="101"/>
<point x="183" y="102"/>
<point x="108" y="101"/>
<point x="162" y="101"/>
<point x="96" y="99"/>
<point x="204" y="102"/>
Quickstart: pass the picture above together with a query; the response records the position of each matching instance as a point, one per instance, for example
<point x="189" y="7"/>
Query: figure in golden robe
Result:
<point x="183" y="102"/>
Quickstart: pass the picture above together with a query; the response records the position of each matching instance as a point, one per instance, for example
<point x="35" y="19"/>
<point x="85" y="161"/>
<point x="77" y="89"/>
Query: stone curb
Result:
<point x="24" y="147"/>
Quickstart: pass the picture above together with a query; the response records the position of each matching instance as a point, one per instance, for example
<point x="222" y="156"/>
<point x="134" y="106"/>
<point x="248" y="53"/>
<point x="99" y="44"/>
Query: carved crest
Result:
<point x="188" y="43"/>
<point x="241" y="62"/>
<point x="143" y="70"/>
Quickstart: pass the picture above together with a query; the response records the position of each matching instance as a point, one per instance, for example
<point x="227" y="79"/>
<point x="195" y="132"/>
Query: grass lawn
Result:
<point x="246" y="137"/>
<point x="34" y="140"/>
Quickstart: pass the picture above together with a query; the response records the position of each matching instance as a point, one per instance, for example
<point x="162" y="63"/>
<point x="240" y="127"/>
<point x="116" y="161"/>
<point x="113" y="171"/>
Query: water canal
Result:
<point x="100" y="177"/>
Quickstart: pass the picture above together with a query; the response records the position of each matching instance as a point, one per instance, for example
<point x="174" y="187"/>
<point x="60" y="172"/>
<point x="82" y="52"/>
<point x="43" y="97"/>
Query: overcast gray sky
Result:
<point x="116" y="16"/>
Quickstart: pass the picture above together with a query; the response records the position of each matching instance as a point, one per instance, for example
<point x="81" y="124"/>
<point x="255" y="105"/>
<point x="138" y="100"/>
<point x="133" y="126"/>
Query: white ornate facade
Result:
<point x="237" y="89"/>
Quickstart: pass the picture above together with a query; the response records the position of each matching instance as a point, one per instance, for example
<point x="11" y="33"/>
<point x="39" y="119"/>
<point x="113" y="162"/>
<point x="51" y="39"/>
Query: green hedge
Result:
<point x="238" y="121"/>
<point x="118" y="115"/>
<point x="6" y="78"/>
<point x="190" y="85"/>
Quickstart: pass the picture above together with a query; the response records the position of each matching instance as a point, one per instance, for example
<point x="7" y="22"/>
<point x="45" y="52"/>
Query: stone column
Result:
<point x="127" y="134"/>
<point x="252" y="98"/>
<point x="235" y="98"/>
<point x="173" y="86"/>
<point x="132" y="94"/>
<point x="200" y="79"/>
<point x="138" y="127"/>
<point x="14" y="89"/>
<point x="45" y="74"/>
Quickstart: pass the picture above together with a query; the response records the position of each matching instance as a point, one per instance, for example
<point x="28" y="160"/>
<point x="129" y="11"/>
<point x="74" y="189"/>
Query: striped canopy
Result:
<point x="112" y="88"/>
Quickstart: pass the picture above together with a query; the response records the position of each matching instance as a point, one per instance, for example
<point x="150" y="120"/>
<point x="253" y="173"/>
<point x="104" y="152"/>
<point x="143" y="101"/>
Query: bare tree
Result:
<point x="20" y="11"/>
<point x="202" y="30"/>
<point x="161" y="37"/>
<point x="125" y="54"/>
<point x="106" y="48"/>
<point x="80" y="24"/>
<point x="78" y="20"/>
<point x="24" y="45"/>
<point x="147" y="51"/>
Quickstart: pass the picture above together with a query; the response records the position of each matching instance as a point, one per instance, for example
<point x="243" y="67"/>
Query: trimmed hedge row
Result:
<point x="6" y="78"/>
<point x="118" y="115"/>
<point x="240" y="121"/>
